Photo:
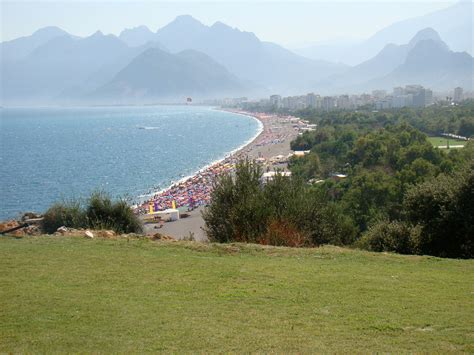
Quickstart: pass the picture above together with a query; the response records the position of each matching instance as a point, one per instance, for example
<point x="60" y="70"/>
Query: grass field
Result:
<point x="441" y="141"/>
<point x="76" y="295"/>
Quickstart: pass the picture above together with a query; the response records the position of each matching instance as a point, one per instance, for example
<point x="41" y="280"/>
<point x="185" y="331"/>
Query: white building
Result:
<point x="275" y="100"/>
<point x="458" y="94"/>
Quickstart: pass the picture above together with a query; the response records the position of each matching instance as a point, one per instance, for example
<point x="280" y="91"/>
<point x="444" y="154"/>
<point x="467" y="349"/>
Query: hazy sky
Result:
<point x="292" y="23"/>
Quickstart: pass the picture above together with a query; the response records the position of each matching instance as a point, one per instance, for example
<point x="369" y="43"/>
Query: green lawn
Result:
<point x="76" y="295"/>
<point x="441" y="141"/>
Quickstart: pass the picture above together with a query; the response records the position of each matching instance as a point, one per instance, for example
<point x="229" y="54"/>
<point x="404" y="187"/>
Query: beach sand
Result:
<point x="274" y="140"/>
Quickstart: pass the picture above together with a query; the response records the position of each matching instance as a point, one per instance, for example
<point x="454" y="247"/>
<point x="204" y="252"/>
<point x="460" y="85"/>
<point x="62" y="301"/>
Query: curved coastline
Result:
<point x="261" y="127"/>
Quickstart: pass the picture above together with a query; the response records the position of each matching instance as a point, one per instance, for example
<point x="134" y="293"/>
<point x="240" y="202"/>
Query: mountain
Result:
<point x="387" y="60"/>
<point x="425" y="60"/>
<point x="156" y="75"/>
<point x="61" y="63"/>
<point x="138" y="36"/>
<point x="244" y="55"/>
<point x="20" y="48"/>
<point x="454" y="24"/>
<point x="103" y="75"/>
<point x="62" y="68"/>
<point x="431" y="64"/>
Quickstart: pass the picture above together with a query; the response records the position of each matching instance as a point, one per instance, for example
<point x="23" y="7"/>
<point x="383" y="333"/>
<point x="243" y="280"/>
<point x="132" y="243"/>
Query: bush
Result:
<point x="283" y="233"/>
<point x="284" y="211"/>
<point x="444" y="210"/>
<point x="68" y="213"/>
<point x="103" y="213"/>
<point x="99" y="213"/>
<point x="438" y="220"/>
<point x="331" y="226"/>
<point x="237" y="211"/>
<point x="392" y="236"/>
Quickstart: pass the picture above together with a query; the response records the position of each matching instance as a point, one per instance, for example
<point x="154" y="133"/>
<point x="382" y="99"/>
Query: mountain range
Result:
<point x="187" y="58"/>
<point x="454" y="24"/>
<point x="159" y="74"/>
<point x="425" y="60"/>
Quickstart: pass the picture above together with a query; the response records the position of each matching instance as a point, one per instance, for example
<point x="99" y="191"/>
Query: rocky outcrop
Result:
<point x="28" y="230"/>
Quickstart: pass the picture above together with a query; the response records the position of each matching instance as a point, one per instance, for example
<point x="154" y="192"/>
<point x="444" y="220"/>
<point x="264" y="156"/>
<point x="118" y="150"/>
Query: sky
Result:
<point x="290" y="23"/>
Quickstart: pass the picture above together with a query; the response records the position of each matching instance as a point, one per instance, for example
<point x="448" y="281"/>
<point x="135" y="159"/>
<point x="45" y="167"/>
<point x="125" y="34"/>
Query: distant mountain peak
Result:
<point x="424" y="34"/>
<point x="50" y="30"/>
<point x="183" y="24"/>
<point x="136" y="36"/>
<point x="97" y="34"/>
<point x="220" y="24"/>
<point x="427" y="48"/>
<point x="186" y="20"/>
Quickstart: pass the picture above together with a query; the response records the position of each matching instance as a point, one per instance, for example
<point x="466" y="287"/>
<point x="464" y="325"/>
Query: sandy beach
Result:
<point x="270" y="148"/>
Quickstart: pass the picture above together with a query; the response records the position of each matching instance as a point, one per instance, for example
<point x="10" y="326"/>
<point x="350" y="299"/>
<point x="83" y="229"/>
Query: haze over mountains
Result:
<point x="187" y="58"/>
<point x="454" y="24"/>
<point x="424" y="60"/>
<point x="159" y="74"/>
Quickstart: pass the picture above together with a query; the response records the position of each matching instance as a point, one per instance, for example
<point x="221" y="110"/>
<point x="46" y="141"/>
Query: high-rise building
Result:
<point x="428" y="97"/>
<point x="458" y="94"/>
<point x="293" y="103"/>
<point x="343" y="102"/>
<point x="379" y="94"/>
<point x="275" y="101"/>
<point x="398" y="91"/>
<point x="329" y="103"/>
<point x="419" y="98"/>
<point x="402" y="101"/>
<point x="383" y="104"/>
<point x="311" y="100"/>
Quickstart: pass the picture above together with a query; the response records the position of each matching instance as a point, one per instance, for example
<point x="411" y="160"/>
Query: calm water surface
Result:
<point x="50" y="154"/>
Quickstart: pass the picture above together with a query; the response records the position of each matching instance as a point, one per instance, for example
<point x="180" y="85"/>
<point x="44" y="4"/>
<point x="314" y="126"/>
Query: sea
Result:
<point x="57" y="154"/>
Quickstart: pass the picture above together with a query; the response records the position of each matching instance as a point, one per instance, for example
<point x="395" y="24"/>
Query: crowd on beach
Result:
<point x="196" y="190"/>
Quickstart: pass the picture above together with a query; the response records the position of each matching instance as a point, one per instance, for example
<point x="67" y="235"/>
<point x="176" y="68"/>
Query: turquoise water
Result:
<point x="51" y="154"/>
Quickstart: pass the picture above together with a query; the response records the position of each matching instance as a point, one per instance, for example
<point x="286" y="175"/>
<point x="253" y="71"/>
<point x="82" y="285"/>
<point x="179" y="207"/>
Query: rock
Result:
<point x="105" y="233"/>
<point x="30" y="215"/>
<point x="132" y="235"/>
<point x="159" y="236"/>
<point x="8" y="225"/>
<point x="62" y="230"/>
<point x="88" y="234"/>
<point x="33" y="230"/>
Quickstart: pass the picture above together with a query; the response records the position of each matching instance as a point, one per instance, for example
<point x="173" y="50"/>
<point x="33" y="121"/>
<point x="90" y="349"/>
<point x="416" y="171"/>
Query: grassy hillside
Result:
<point x="72" y="294"/>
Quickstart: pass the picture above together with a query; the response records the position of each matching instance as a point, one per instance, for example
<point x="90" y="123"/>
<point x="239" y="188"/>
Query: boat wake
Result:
<point x="147" y="127"/>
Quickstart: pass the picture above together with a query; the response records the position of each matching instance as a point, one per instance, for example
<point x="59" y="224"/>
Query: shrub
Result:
<point x="444" y="210"/>
<point x="284" y="211"/>
<point x="237" y="211"/>
<point x="392" y="236"/>
<point x="99" y="213"/>
<point x="284" y="233"/>
<point x="331" y="226"/>
<point x="67" y="213"/>
<point x="103" y="213"/>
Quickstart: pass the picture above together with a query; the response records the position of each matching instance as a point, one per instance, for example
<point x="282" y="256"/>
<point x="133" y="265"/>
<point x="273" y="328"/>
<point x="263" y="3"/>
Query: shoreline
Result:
<point x="270" y="142"/>
<point x="145" y="197"/>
